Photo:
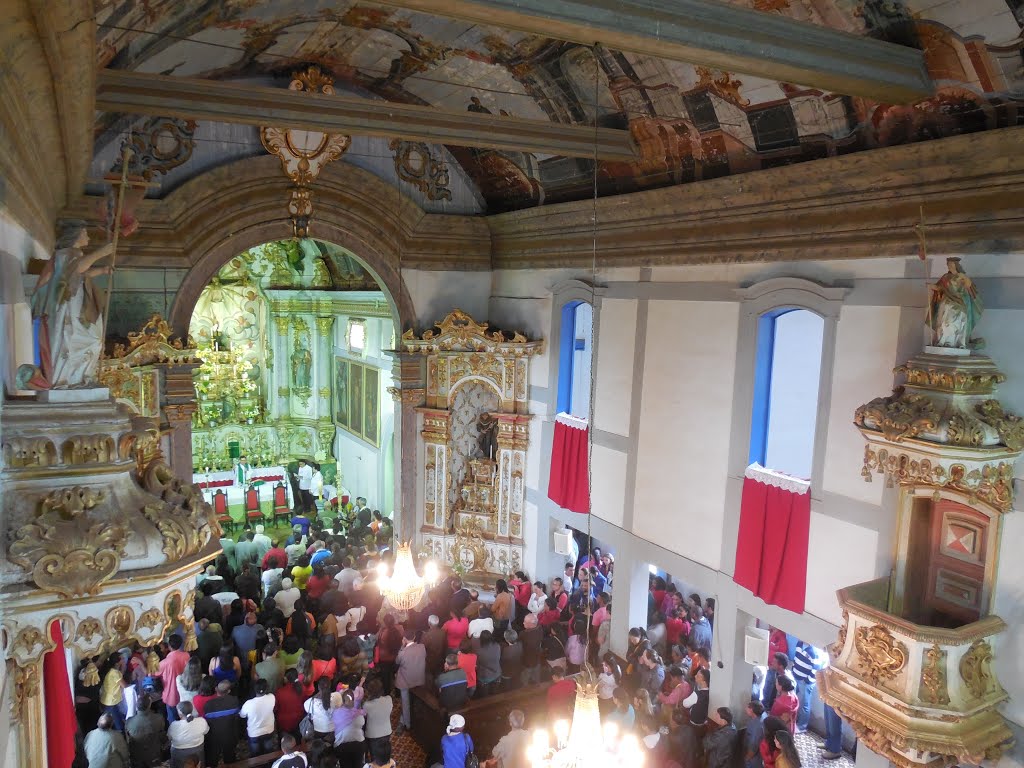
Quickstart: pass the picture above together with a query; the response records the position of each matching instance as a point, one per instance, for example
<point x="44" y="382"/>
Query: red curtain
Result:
<point x="60" y="708"/>
<point x="771" y="553"/>
<point x="569" y="483"/>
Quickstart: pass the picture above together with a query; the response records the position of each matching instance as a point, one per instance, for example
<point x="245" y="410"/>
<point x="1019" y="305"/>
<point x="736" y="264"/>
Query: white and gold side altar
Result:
<point x="474" y="439"/>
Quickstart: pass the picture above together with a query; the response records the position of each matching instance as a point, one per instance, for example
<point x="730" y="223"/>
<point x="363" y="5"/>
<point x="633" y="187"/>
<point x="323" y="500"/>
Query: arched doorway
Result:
<point x="294" y="337"/>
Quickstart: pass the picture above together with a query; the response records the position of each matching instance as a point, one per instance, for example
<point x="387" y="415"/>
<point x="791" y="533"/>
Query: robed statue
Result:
<point x="69" y="308"/>
<point x="302" y="363"/>
<point x="954" y="308"/>
<point x="487" y="436"/>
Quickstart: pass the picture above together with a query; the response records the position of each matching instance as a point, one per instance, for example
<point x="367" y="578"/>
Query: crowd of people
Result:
<point x="295" y="649"/>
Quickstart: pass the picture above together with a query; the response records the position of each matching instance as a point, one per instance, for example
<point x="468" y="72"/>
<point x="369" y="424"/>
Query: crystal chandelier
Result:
<point x="584" y="743"/>
<point x="404" y="588"/>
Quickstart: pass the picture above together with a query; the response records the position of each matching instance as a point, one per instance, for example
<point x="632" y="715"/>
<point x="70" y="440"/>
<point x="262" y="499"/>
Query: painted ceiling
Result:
<point x="689" y="123"/>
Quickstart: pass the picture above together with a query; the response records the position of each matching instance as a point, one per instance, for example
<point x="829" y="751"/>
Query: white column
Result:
<point x="629" y="603"/>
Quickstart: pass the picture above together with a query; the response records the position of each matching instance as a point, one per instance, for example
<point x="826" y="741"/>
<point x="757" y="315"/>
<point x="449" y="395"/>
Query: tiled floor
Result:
<point x="811" y="756"/>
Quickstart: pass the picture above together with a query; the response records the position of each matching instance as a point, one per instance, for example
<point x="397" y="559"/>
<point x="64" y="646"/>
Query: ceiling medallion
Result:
<point x="304" y="153"/>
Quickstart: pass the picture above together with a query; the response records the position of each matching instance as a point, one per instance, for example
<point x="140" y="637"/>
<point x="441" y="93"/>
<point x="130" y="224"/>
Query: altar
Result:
<point x="475" y="435"/>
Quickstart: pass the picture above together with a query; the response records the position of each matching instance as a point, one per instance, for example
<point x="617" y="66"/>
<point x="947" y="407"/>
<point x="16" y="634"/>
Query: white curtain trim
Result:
<point x="572" y="421"/>
<point x="770" y="477"/>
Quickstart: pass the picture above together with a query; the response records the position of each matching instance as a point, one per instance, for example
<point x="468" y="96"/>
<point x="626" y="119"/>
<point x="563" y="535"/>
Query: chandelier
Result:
<point x="404" y="588"/>
<point x="584" y="743"/>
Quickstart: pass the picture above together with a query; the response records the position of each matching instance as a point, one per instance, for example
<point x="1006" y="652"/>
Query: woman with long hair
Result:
<point x="646" y="718"/>
<point x="289" y="698"/>
<point x="189" y="679"/>
<point x="207" y="691"/>
<point x="607" y="682"/>
<point x="320" y="711"/>
<point x="226" y="665"/>
<point x="768" y="748"/>
<point x="638" y="646"/>
<point x="301" y="623"/>
<point x="378" y="707"/>
<point x="389" y="643"/>
<point x="349" y="741"/>
<point x="787" y="756"/>
<point x="503" y="609"/>
<point x="304" y="667"/>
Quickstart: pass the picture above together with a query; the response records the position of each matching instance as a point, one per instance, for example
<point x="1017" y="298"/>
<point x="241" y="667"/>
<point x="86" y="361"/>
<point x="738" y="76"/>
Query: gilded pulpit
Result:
<point x="475" y="434"/>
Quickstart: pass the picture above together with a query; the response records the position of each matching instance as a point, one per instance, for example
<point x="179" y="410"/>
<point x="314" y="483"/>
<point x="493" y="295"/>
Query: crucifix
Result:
<point x="123" y="182"/>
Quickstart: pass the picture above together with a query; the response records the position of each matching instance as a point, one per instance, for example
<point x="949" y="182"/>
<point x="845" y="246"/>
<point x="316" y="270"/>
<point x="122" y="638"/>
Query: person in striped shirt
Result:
<point x="806" y="661"/>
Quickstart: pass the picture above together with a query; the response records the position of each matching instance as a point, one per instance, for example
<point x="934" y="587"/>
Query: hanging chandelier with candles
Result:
<point x="404" y="587"/>
<point x="585" y="743"/>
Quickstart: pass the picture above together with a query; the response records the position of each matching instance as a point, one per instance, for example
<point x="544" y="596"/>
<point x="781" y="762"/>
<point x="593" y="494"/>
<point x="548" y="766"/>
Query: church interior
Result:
<point x="689" y="324"/>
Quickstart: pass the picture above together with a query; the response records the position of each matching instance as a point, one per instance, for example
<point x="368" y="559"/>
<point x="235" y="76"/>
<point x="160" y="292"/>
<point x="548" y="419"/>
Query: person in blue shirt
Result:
<point x="302" y="521"/>
<point x="806" y="661"/>
<point x="753" y="735"/>
<point x="456" y="743"/>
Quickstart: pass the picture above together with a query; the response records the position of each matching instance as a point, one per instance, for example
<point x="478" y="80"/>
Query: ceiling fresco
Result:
<point x="689" y="123"/>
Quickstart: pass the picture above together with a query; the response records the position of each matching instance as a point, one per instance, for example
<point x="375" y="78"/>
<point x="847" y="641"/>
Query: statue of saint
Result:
<point x="70" y="310"/>
<point x="954" y="308"/>
<point x="487" y="440"/>
<point x="302" y="363"/>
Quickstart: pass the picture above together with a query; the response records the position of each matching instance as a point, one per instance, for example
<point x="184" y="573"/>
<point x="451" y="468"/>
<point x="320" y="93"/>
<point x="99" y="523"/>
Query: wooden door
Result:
<point x="956" y="570"/>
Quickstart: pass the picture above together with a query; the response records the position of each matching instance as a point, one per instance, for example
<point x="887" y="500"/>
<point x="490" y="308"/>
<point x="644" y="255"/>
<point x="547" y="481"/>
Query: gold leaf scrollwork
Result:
<point x="900" y="416"/>
<point x="933" y="676"/>
<point x="150" y="619"/>
<point x="26" y="687"/>
<point x="185" y="520"/>
<point x="1009" y="426"/>
<point x="840" y="643"/>
<point x="68" y="551"/>
<point x="965" y="431"/>
<point x="88" y="629"/>
<point x="119" y="620"/>
<point x="881" y="655"/>
<point x="28" y="639"/>
<point x="975" y="668"/>
<point x="724" y="85"/>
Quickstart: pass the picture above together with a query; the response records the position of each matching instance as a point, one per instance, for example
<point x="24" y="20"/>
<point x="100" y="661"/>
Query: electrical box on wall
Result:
<point x="562" y="542"/>
<point x="755" y="646"/>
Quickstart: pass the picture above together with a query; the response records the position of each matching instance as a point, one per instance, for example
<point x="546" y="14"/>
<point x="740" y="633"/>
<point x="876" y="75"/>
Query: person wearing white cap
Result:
<point x="456" y="744"/>
<point x="262" y="542"/>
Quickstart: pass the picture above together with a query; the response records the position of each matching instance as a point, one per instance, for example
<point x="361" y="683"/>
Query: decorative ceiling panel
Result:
<point x="689" y="123"/>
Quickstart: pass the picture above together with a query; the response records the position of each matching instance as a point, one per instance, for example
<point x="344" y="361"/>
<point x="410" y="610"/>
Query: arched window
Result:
<point x="786" y="382"/>
<point x="575" y="357"/>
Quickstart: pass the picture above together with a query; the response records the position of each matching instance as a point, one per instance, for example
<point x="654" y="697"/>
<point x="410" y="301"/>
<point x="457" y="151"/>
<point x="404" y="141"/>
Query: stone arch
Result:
<point x="223" y="212"/>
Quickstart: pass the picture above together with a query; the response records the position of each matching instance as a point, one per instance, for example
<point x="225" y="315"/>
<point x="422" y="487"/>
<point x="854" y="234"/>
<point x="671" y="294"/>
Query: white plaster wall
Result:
<point x="826" y="572"/>
<point x="866" y="339"/>
<point x="751" y="272"/>
<point x="435" y="294"/>
<point x="1009" y="604"/>
<point x="1003" y="331"/>
<point x="615" y="374"/>
<point x="608" y="483"/>
<point x="685" y="424"/>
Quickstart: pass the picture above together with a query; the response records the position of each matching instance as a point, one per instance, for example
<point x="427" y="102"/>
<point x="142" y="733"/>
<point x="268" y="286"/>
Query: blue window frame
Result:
<point x="575" y="356"/>
<point x="786" y="383"/>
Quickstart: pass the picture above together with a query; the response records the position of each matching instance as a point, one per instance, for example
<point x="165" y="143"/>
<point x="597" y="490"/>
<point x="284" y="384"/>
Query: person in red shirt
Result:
<point x="207" y="691"/>
<point x="275" y="558"/>
<point x="675" y="628"/>
<point x="467" y="663"/>
<point x="172" y="666"/>
<point x="558" y="592"/>
<point x="456" y="628"/>
<point x="550" y="615"/>
<point x="658" y="590"/>
<point x="288" y="702"/>
<point x="786" y="703"/>
<point x="521" y="590"/>
<point x="777" y="642"/>
<point x="561" y="695"/>
<point x="316" y="585"/>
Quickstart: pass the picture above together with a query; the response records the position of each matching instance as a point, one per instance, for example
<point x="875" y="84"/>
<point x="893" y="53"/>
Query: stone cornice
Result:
<point x="855" y="206"/>
<point x="198" y="216"/>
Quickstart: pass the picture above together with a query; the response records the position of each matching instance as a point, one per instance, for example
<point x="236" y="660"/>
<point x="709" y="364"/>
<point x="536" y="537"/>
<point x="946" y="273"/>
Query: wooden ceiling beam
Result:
<point x="711" y="34"/>
<point x="149" y="94"/>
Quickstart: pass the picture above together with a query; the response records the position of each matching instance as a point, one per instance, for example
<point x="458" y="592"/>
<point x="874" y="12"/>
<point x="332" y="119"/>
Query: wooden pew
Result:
<point x="486" y="718"/>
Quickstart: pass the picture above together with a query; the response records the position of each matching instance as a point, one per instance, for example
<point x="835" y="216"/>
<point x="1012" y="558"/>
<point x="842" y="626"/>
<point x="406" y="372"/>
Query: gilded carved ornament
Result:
<point x="155" y="342"/>
<point x="185" y="520"/>
<point x="954" y="381"/>
<point x="68" y="551"/>
<point x="28" y="639"/>
<point x="900" y="416"/>
<point x="24" y="452"/>
<point x="723" y="84"/>
<point x="88" y="629"/>
<point x="991" y="484"/>
<point x="976" y="668"/>
<point x="1009" y="426"/>
<point x="880" y="654"/>
<point x="933" y="676"/>
<point x="150" y="619"/>
<point x="25" y="687"/>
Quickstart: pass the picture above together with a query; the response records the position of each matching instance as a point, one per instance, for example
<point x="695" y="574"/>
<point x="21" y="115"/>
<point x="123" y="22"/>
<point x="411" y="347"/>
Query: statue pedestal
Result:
<point x="85" y="395"/>
<point x="948" y="351"/>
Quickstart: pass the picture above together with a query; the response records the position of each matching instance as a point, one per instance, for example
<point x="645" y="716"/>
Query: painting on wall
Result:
<point x="355" y="399"/>
<point x="341" y="379"/>
<point x="371" y="414"/>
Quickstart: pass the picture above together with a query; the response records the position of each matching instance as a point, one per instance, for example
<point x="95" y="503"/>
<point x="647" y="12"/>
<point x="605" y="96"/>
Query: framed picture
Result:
<point x="341" y="387"/>
<point x="355" y="392"/>
<point x="371" y="411"/>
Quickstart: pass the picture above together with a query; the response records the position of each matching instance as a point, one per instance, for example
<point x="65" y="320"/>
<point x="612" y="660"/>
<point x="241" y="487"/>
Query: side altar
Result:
<point x="474" y="439"/>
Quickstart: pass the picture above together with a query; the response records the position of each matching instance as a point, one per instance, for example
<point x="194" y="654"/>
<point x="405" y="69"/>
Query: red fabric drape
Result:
<point x="771" y="553"/>
<point x="569" y="483"/>
<point x="60" y="707"/>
